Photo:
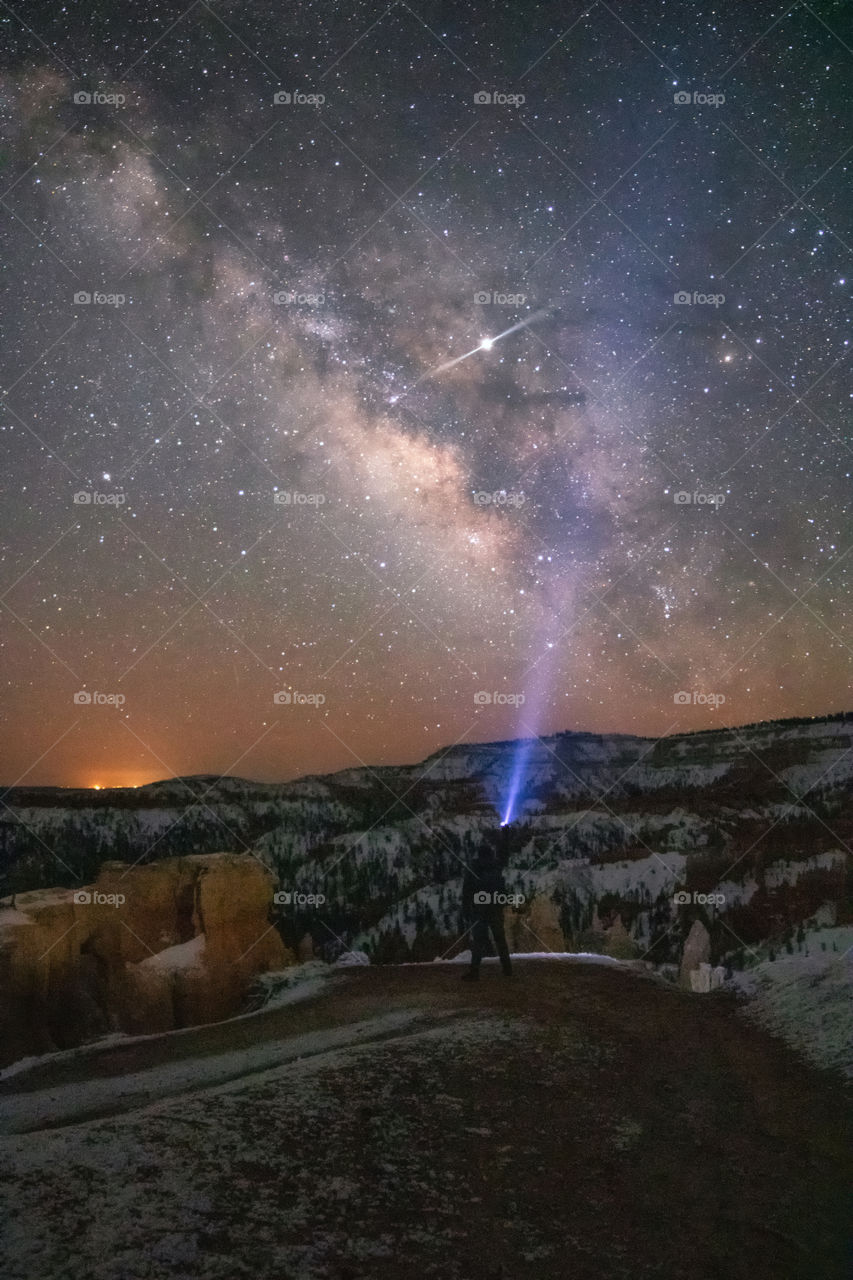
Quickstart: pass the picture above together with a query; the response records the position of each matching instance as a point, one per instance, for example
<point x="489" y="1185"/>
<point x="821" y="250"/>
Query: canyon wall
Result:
<point x="143" y="949"/>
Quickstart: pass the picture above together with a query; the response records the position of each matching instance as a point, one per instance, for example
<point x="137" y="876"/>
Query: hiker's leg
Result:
<point x="497" y="927"/>
<point x="479" y="940"/>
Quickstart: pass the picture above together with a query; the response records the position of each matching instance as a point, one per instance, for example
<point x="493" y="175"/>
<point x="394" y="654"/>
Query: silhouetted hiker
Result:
<point x="482" y="883"/>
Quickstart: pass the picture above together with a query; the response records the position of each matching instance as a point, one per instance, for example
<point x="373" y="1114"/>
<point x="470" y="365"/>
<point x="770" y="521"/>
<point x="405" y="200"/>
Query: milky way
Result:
<point x="253" y="463"/>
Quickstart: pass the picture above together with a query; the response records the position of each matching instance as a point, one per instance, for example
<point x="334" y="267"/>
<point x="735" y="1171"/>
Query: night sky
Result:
<point x="276" y="291"/>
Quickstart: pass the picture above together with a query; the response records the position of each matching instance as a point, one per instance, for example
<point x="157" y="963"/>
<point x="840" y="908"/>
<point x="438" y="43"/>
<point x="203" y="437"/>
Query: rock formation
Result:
<point x="706" y="979"/>
<point x="697" y="952"/>
<point x="619" y="944"/>
<point x="145" y="949"/>
<point x="536" y="927"/>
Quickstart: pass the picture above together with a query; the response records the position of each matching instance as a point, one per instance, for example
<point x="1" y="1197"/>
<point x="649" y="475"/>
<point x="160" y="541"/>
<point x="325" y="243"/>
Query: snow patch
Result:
<point x="350" y="958"/>
<point x="805" y="998"/>
<point x="96" y="1097"/>
<point x="585" y="957"/>
<point x="287" y="986"/>
<point x="186" y="955"/>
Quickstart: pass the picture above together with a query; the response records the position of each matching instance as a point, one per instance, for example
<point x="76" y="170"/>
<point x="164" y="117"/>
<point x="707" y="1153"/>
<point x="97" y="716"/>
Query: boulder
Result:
<point x="145" y="949"/>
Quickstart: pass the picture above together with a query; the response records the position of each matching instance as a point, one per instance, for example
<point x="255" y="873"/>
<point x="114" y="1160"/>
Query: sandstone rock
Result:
<point x="232" y="907"/>
<point x="707" y="979"/>
<point x="697" y="951"/>
<point x="536" y="928"/>
<point x="700" y="979"/>
<point x="145" y="949"/>
<point x="162" y="987"/>
<point x="618" y="942"/>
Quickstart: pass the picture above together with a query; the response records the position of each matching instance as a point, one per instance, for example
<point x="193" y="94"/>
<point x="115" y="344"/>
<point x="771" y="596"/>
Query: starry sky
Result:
<point x="262" y="436"/>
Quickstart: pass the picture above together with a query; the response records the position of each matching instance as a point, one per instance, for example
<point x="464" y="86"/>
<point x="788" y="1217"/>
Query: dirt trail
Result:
<point x="577" y="1121"/>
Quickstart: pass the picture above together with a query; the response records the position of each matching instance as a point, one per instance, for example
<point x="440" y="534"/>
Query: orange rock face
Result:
<point x="145" y="949"/>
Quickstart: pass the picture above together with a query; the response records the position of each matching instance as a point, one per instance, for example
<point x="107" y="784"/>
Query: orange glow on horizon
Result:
<point x="113" y="784"/>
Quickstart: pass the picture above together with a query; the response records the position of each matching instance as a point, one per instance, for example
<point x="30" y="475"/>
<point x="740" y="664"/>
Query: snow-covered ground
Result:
<point x="446" y="1142"/>
<point x="274" y="990"/>
<point x="580" y="957"/>
<point x="807" y="997"/>
<point x="143" y="1194"/>
<point x="100" y="1096"/>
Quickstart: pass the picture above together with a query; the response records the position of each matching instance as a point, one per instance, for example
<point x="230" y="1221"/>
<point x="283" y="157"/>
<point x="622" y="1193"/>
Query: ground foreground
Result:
<point x="579" y="1121"/>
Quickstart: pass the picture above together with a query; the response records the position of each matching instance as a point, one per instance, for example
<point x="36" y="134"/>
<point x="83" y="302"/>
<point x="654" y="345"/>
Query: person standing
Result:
<point x="483" y="897"/>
